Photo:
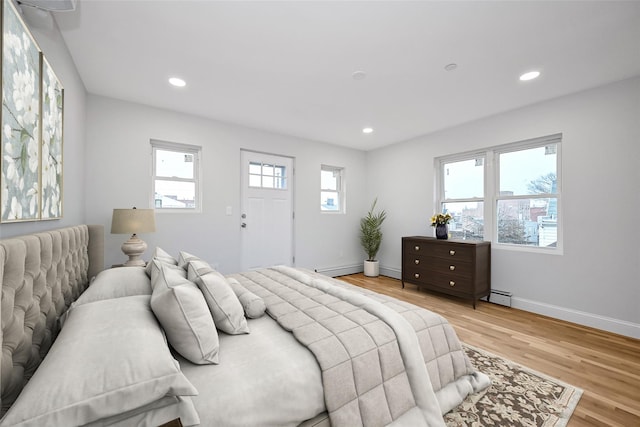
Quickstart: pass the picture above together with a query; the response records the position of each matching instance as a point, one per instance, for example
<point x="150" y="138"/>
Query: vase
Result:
<point x="442" y="231"/>
<point x="371" y="268"/>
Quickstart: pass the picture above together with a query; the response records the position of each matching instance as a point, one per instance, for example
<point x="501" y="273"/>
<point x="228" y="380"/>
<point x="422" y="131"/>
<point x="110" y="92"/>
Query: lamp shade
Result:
<point x="133" y="221"/>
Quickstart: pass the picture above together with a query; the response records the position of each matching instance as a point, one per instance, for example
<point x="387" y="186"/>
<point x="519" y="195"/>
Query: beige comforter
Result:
<point x="383" y="361"/>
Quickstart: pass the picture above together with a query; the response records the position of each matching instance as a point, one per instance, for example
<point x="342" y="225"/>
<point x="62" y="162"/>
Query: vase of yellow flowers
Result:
<point x="441" y="223"/>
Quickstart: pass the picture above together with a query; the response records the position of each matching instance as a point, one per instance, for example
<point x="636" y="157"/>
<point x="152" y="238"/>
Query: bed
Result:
<point x="179" y="341"/>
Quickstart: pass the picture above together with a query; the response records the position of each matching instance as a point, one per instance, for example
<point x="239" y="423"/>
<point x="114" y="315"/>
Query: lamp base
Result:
<point x="134" y="248"/>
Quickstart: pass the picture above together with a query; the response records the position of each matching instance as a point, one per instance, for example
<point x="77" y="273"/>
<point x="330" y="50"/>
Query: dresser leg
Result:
<point x="403" y="284"/>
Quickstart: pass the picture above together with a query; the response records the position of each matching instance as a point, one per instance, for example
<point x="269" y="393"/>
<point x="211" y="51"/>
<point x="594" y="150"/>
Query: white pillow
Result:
<point x="227" y="311"/>
<point x="112" y="283"/>
<point x="183" y="313"/>
<point x="110" y="358"/>
<point x="252" y="304"/>
<point x="116" y="283"/>
<point x="185" y="257"/>
<point x="199" y="266"/>
<point x="161" y="255"/>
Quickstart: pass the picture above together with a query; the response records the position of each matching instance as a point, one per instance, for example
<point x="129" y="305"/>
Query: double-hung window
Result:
<point x="176" y="176"/>
<point x="508" y="194"/>
<point x="331" y="189"/>
<point x="527" y="196"/>
<point x="463" y="195"/>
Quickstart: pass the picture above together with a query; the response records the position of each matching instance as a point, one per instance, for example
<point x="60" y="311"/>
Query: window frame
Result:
<point x="340" y="189"/>
<point x="492" y="189"/>
<point x="196" y="152"/>
<point x="284" y="178"/>
<point x="440" y="181"/>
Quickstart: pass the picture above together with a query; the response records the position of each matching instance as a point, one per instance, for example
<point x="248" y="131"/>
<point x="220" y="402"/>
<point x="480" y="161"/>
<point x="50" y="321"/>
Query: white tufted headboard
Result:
<point x="40" y="276"/>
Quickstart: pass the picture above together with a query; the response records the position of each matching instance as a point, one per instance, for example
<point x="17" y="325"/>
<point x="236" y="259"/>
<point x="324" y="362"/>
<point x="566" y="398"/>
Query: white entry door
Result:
<point x="266" y="210"/>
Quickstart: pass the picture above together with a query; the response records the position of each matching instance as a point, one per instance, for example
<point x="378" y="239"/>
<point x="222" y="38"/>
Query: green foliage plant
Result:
<point x="370" y="231"/>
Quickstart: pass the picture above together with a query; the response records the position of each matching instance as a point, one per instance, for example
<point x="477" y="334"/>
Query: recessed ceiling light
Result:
<point x="530" y="75"/>
<point x="358" y="75"/>
<point x="177" y="82"/>
<point x="367" y="130"/>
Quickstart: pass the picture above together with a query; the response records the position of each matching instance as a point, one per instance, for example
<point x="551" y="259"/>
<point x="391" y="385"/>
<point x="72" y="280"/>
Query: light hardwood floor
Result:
<point x="605" y="365"/>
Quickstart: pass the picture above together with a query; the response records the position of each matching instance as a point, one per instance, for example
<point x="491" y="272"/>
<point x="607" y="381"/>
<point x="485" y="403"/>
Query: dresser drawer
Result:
<point x="440" y="265"/>
<point x="451" y="282"/>
<point x="443" y="281"/>
<point x="440" y="250"/>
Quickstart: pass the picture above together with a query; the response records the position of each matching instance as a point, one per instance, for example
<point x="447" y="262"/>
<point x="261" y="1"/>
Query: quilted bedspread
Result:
<point x="383" y="361"/>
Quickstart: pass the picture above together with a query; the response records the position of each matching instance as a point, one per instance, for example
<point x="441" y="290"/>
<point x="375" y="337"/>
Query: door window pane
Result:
<point x="267" y="182"/>
<point x="255" y="181"/>
<point x="255" y="168"/>
<point x="262" y="175"/>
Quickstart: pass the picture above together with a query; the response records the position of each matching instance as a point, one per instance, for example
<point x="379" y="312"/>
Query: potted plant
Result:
<point x="441" y="223"/>
<point x="370" y="239"/>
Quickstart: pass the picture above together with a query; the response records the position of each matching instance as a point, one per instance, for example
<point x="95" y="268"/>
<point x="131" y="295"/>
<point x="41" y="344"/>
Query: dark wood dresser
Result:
<point x="455" y="267"/>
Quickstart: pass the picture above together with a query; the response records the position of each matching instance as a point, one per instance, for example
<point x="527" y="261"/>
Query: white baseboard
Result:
<point x="610" y="324"/>
<point x="616" y="326"/>
<point x="391" y="272"/>
<point x="341" y="270"/>
<point x="358" y="268"/>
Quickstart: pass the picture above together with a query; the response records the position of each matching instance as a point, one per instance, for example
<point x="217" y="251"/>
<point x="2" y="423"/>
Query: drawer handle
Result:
<point x="452" y="283"/>
<point x="417" y="261"/>
<point x="417" y="275"/>
<point x="452" y="267"/>
<point x="417" y="248"/>
<point x="452" y="253"/>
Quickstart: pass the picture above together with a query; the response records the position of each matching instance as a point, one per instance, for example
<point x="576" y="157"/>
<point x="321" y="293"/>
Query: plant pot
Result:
<point x="371" y="268"/>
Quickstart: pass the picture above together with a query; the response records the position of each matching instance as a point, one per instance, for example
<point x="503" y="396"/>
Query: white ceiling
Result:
<point x="287" y="66"/>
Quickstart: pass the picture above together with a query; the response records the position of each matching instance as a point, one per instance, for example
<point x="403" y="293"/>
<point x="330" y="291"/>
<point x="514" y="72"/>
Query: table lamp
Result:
<point x="134" y="221"/>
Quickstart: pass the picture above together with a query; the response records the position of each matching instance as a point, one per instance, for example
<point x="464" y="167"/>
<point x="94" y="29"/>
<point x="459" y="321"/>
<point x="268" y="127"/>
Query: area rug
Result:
<point x="518" y="396"/>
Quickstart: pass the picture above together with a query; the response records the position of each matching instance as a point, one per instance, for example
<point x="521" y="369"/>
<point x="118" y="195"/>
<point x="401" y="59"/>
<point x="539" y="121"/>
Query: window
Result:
<point x="331" y="189"/>
<point x="508" y="194"/>
<point x="176" y="179"/>
<point x="464" y="197"/>
<point x="264" y="175"/>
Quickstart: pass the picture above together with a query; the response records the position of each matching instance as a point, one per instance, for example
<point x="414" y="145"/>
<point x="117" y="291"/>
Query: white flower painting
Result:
<point x="51" y="154"/>
<point x="31" y="129"/>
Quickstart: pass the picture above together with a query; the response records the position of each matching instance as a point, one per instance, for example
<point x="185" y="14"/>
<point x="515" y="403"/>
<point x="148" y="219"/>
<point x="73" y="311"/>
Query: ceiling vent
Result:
<point x="51" y="5"/>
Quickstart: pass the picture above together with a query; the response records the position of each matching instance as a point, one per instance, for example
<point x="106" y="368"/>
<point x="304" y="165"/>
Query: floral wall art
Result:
<point x="31" y="119"/>
<point x="51" y="153"/>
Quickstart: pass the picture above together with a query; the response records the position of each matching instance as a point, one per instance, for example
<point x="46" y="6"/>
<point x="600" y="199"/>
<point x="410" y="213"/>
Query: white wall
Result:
<point x="52" y="45"/>
<point x="596" y="281"/>
<point x="119" y="176"/>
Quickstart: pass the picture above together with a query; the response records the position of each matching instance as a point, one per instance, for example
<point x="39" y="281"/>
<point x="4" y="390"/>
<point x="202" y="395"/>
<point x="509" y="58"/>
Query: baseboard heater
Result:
<point x="499" y="297"/>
